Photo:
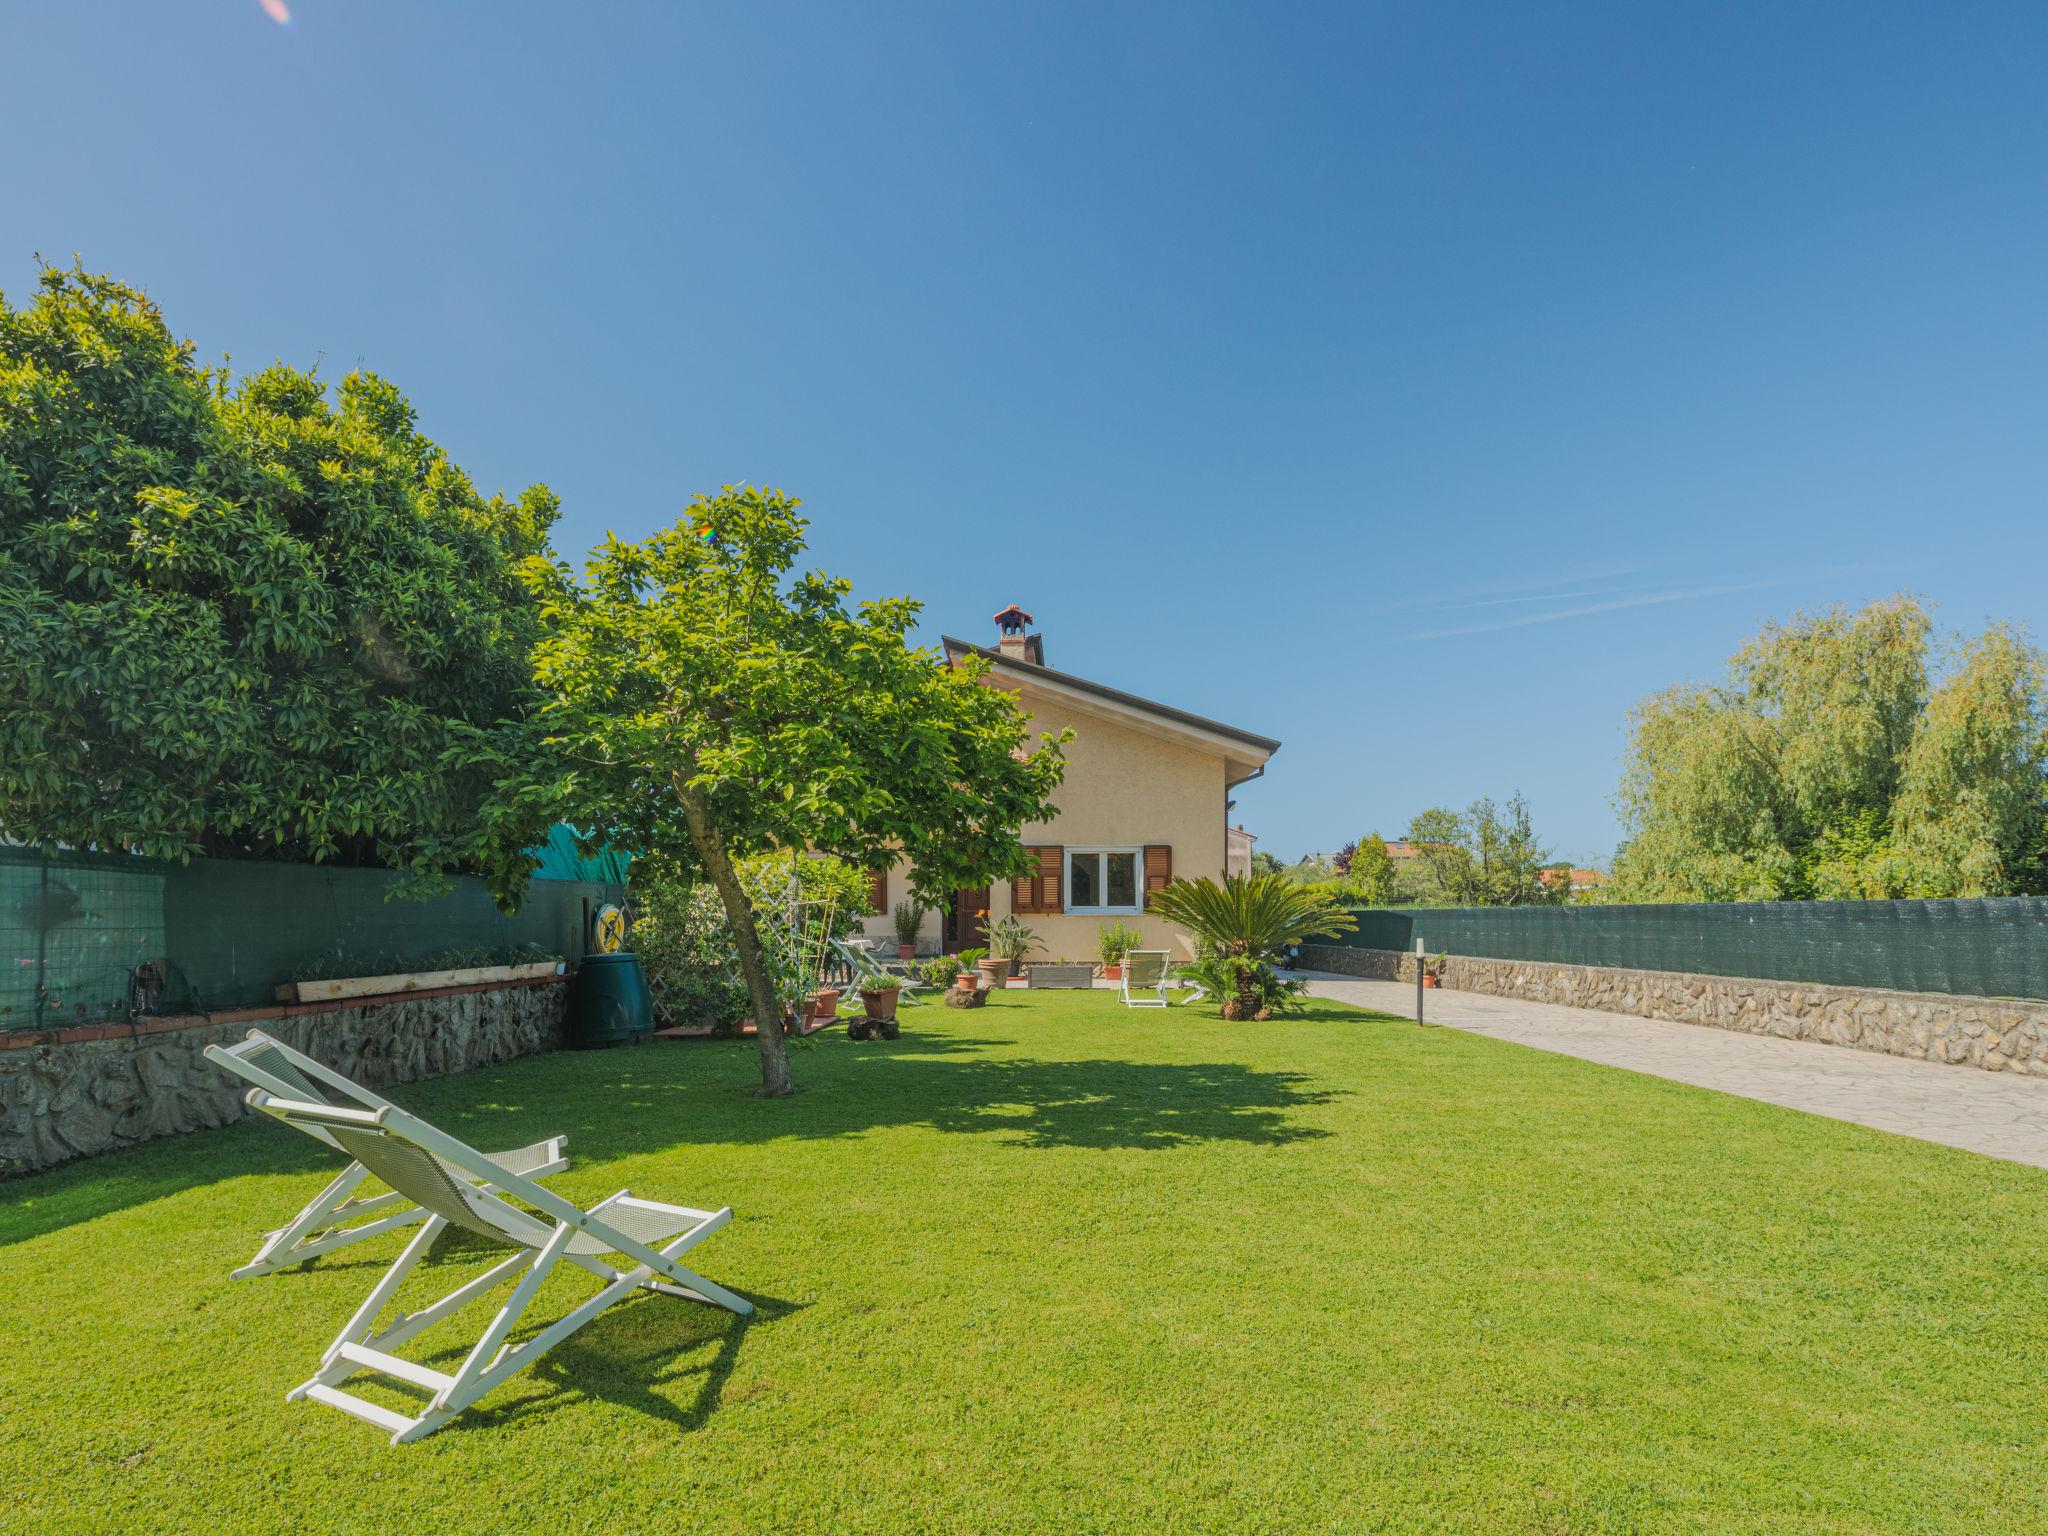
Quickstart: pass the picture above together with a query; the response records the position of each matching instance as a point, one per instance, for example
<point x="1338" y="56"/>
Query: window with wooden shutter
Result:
<point x="1037" y="893"/>
<point x="1158" y="870"/>
<point x="878" y="891"/>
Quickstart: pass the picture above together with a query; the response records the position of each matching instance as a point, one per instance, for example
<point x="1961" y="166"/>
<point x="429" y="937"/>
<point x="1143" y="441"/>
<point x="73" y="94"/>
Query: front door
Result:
<point x="967" y="921"/>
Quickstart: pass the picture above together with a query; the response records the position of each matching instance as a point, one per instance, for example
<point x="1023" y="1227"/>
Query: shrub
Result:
<point x="1010" y="939"/>
<point x="684" y="938"/>
<point x="1115" y="940"/>
<point x="1242" y="926"/>
<point x="908" y="918"/>
<point x="685" y="947"/>
<point x="261" y="620"/>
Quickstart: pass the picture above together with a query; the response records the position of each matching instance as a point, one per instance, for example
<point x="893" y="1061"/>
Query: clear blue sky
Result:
<point x="1420" y="384"/>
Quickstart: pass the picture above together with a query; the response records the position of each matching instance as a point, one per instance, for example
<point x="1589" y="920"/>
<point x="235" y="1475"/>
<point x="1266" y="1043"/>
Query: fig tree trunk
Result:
<point x="746" y="938"/>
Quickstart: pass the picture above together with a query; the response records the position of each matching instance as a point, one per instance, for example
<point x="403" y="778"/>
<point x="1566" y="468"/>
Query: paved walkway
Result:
<point x="1996" y="1113"/>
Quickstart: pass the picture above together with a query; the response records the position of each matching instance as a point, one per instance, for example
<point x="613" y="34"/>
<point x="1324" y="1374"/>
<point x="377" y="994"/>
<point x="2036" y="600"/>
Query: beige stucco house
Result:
<point x="1146" y="800"/>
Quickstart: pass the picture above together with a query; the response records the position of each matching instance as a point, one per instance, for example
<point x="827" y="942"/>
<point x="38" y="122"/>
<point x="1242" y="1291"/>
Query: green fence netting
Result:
<point x="561" y="859"/>
<point x="1988" y="948"/>
<point x="86" y="938"/>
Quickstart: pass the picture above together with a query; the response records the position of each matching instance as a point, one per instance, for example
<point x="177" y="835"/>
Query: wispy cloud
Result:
<point x="1554" y="589"/>
<point x="1610" y="603"/>
<point x="1547" y="596"/>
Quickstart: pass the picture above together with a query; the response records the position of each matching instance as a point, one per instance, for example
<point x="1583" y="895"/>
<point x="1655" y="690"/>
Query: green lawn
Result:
<point x="1057" y="1266"/>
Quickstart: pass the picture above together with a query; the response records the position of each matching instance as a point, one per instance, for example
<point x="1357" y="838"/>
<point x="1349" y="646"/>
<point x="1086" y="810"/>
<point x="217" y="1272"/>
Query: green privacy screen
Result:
<point x="561" y="859"/>
<point x="1974" y="948"/>
<point x="86" y="938"/>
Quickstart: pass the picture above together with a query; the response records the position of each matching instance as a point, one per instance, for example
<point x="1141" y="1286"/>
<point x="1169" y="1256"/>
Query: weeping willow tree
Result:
<point x="1844" y="756"/>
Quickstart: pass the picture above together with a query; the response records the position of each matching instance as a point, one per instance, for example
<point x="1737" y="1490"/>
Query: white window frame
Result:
<point x="1102" y="879"/>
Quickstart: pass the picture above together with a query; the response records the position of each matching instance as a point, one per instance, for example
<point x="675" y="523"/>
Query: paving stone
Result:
<point x="2000" y="1114"/>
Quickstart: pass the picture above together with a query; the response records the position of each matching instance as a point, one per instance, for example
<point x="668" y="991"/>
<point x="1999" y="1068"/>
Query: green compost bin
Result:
<point x="609" y="1002"/>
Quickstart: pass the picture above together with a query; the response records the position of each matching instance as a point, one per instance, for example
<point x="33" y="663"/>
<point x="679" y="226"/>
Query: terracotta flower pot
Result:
<point x="880" y="1002"/>
<point x="1113" y="972"/>
<point x="1429" y="982"/>
<point x="969" y="981"/>
<point x="906" y="951"/>
<point x="822" y="1006"/>
<point x="994" y="973"/>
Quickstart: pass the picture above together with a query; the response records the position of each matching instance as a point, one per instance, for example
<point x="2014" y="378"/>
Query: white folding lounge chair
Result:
<point x="868" y="972"/>
<point x="323" y="1225"/>
<point x="1151" y="970"/>
<point x="447" y="1179"/>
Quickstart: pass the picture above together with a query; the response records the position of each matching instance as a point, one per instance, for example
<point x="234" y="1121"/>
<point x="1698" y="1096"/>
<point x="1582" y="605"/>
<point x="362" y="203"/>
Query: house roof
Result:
<point x="1262" y="747"/>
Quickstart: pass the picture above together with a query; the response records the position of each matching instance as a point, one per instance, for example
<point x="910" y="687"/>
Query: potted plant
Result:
<point x="908" y="917"/>
<point x="879" y="1002"/>
<point x="968" y="963"/>
<point x="1010" y="941"/>
<point x="1240" y="928"/>
<point x="1112" y="942"/>
<point x="821" y="1007"/>
<point x="1433" y="971"/>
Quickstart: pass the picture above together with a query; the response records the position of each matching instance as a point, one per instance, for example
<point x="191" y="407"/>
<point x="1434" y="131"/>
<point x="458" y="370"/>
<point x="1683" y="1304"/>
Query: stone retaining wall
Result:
<point x="76" y="1092"/>
<point x="1997" y="1034"/>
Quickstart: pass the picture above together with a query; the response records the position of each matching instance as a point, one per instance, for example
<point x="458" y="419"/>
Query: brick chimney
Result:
<point x="1013" y="642"/>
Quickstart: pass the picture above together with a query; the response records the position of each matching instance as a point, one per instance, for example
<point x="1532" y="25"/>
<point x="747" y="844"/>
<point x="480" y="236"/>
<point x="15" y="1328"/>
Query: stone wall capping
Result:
<point x="71" y="1034"/>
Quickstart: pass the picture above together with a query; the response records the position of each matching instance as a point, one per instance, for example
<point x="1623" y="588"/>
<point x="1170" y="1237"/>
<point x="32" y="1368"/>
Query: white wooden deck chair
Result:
<point x="325" y="1224"/>
<point x="1151" y="970"/>
<point x="868" y="972"/>
<point x="446" y="1178"/>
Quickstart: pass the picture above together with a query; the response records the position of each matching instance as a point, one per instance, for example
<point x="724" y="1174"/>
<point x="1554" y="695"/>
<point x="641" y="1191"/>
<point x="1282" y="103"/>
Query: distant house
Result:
<point x="1237" y="850"/>
<point x="1145" y="801"/>
<point x="1583" y="881"/>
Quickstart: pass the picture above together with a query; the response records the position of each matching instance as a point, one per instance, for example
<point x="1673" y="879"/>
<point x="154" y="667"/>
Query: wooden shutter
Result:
<point x="878" y="891"/>
<point x="1037" y="892"/>
<point x="1158" y="870"/>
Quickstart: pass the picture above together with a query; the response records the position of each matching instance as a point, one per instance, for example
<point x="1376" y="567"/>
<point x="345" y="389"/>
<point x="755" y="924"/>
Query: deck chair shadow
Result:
<point x="867" y="972"/>
<point x="446" y="1179"/>
<point x="1151" y="970"/>
<point x="334" y="1218"/>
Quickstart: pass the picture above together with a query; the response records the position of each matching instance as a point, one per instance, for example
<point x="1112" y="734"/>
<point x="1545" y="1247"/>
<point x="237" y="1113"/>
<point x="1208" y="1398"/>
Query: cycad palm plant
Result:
<point x="1242" y="925"/>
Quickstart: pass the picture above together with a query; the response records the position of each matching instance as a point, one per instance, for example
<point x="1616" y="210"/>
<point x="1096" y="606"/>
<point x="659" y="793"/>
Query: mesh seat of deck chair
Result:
<point x="425" y="1178"/>
<point x="1145" y="970"/>
<point x="260" y="1052"/>
<point x="1152" y="971"/>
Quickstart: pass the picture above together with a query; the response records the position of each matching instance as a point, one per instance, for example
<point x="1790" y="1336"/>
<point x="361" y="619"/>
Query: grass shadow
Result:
<point x="624" y="1103"/>
<point x="92" y="1187"/>
<point x="594" y="1364"/>
<point x="942" y="1085"/>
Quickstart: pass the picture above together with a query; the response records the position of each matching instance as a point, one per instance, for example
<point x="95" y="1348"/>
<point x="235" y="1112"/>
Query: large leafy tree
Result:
<point x="1371" y="875"/>
<point x="1484" y="856"/>
<point x="253" y="619"/>
<point x="713" y="704"/>
<point x="1838" y="760"/>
